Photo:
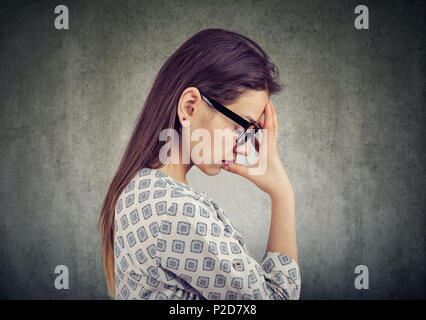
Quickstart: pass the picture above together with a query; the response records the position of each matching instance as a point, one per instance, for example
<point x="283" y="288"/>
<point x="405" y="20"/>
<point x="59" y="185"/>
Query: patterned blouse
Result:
<point x="172" y="242"/>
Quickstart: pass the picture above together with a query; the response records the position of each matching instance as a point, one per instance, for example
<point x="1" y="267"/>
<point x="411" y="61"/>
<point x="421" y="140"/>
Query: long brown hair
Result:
<point x="222" y="64"/>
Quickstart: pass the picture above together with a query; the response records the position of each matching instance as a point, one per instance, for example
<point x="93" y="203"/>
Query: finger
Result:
<point x="275" y="120"/>
<point x="261" y="123"/>
<point x="256" y="144"/>
<point x="269" y="125"/>
<point x="244" y="171"/>
<point x="264" y="143"/>
<point x="269" y="117"/>
<point x="237" y="169"/>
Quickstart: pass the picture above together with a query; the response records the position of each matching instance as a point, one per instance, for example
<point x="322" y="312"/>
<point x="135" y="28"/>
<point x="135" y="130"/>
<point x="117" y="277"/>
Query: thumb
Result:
<point x="237" y="169"/>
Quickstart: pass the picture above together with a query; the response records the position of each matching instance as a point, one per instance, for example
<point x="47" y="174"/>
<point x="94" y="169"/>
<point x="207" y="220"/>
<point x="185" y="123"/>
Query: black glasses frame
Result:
<point x="235" y="117"/>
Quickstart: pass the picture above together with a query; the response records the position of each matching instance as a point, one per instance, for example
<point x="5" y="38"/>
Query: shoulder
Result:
<point x="153" y="194"/>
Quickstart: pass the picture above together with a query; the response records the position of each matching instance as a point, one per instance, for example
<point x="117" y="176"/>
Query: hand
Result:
<point x="274" y="180"/>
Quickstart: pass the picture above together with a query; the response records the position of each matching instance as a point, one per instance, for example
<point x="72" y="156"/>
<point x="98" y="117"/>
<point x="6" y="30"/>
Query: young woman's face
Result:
<point x="249" y="106"/>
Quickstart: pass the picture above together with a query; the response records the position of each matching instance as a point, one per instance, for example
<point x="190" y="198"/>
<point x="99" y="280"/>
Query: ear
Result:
<point x="187" y="104"/>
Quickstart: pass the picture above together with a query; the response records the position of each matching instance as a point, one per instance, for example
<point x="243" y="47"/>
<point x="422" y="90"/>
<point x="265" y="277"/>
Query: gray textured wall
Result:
<point x="352" y="129"/>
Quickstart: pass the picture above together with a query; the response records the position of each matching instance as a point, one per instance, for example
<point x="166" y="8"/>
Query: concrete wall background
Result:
<point x="352" y="129"/>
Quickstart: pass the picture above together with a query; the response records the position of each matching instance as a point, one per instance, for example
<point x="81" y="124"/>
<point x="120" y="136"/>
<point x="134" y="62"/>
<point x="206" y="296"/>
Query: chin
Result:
<point x="210" y="169"/>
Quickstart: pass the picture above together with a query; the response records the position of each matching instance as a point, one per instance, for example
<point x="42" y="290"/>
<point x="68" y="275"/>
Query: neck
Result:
<point x="177" y="171"/>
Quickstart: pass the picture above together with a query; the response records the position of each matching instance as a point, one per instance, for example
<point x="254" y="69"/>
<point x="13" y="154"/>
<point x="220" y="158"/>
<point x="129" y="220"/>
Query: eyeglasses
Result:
<point x="250" y="128"/>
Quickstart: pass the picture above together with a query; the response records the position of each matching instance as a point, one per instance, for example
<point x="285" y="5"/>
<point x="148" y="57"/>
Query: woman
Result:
<point x="161" y="238"/>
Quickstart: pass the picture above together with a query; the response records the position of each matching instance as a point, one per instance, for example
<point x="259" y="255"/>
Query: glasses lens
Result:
<point x="247" y="134"/>
<point x="251" y="131"/>
<point x="241" y="138"/>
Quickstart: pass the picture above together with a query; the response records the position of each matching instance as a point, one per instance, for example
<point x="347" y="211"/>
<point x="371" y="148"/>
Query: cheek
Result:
<point x="224" y="149"/>
<point x="228" y="143"/>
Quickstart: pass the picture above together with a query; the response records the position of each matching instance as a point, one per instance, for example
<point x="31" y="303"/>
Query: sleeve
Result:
<point x="196" y="246"/>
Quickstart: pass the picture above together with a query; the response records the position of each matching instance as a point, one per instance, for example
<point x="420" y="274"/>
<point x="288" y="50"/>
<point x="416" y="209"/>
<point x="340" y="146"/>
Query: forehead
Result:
<point x="250" y="104"/>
